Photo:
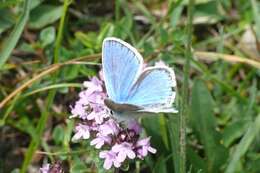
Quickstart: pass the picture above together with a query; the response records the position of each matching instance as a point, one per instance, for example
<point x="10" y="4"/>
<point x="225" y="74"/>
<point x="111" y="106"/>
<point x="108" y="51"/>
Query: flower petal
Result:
<point x="131" y="154"/>
<point x="152" y="150"/>
<point x="103" y="154"/>
<point x="121" y="157"/>
<point x="107" y="163"/>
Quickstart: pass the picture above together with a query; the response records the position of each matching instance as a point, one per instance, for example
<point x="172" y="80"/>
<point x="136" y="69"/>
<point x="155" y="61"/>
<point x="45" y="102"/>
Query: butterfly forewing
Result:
<point x="121" y="66"/>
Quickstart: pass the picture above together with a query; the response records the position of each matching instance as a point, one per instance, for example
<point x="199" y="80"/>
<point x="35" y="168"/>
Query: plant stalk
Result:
<point x="185" y="89"/>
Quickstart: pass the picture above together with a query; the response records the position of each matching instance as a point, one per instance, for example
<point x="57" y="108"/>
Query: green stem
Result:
<point x="60" y="32"/>
<point x="117" y="10"/>
<point x="257" y="19"/>
<point x="50" y="98"/>
<point x="39" y="131"/>
<point x="185" y="90"/>
<point x="9" y="110"/>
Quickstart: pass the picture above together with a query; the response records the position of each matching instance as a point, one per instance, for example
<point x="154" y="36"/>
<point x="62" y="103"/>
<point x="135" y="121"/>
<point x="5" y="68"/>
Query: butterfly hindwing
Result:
<point x="121" y="66"/>
<point x="154" y="89"/>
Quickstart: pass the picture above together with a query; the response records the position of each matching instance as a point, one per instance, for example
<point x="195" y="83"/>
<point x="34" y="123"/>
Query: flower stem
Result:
<point x="185" y="90"/>
<point x="116" y="170"/>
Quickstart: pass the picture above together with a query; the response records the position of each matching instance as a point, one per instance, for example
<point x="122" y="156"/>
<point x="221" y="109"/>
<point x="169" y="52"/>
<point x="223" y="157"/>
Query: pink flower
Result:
<point x="100" y="141"/>
<point x="82" y="132"/>
<point x="109" y="127"/>
<point x="110" y="159"/>
<point x="45" y="168"/>
<point x="143" y="147"/>
<point x="79" y="110"/>
<point x="94" y="85"/>
<point x="98" y="116"/>
<point x="135" y="126"/>
<point x="90" y="100"/>
<point x="124" y="150"/>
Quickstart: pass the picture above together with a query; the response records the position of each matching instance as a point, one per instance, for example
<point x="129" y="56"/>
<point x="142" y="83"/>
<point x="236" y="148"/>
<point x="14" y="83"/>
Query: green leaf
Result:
<point x="164" y="36"/>
<point x="160" y="165"/>
<point x="254" y="166"/>
<point x="124" y="27"/>
<point x="47" y="36"/>
<point x="35" y="3"/>
<point x="8" y="3"/>
<point x="106" y="31"/>
<point x="23" y="122"/>
<point x="7" y="19"/>
<point x="152" y="125"/>
<point x="176" y="15"/>
<point x="203" y="123"/>
<point x="78" y="168"/>
<point x="58" y="134"/>
<point x="12" y="40"/>
<point x="207" y="13"/>
<point x="196" y="162"/>
<point x="88" y="40"/>
<point x="44" y="15"/>
<point x="163" y="130"/>
<point x="234" y="131"/>
<point x="243" y="146"/>
<point x="145" y="11"/>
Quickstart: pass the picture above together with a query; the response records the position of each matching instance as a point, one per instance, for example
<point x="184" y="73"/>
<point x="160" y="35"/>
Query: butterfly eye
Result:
<point x="111" y="112"/>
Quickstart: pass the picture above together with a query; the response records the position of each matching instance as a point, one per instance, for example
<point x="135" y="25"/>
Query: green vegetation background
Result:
<point x="48" y="48"/>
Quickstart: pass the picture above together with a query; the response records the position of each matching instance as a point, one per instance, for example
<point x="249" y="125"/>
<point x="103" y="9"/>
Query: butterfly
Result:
<point x="132" y="91"/>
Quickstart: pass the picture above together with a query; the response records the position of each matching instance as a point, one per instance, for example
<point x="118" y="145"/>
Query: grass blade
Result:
<point x="174" y="131"/>
<point x="54" y="86"/>
<point x="12" y="40"/>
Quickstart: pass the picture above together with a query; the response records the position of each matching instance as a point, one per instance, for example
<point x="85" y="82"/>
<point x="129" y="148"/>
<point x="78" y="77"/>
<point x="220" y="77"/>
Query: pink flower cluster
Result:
<point x="117" y="142"/>
<point x="51" y="168"/>
<point x="45" y="168"/>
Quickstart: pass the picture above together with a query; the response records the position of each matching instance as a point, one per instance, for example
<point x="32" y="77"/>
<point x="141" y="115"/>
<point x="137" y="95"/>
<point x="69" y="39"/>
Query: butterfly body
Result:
<point x="125" y="112"/>
<point x="134" y="92"/>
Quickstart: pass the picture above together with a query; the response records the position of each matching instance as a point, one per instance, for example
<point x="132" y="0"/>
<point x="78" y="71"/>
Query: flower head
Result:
<point x="52" y="168"/>
<point x="100" y="140"/>
<point x="134" y="125"/>
<point x="79" y="110"/>
<point x="94" y="85"/>
<point x="124" y="150"/>
<point x="82" y="132"/>
<point x="110" y="159"/>
<point x="116" y="141"/>
<point x="110" y="127"/>
<point x="91" y="102"/>
<point x="143" y="147"/>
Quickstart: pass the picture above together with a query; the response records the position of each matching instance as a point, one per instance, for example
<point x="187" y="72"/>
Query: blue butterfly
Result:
<point x="133" y="92"/>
